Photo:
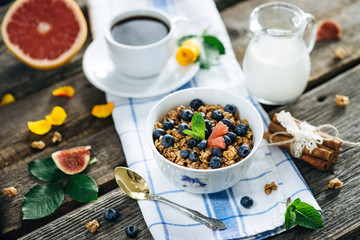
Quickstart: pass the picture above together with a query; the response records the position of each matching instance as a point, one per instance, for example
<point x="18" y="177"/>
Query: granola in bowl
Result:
<point x="232" y="146"/>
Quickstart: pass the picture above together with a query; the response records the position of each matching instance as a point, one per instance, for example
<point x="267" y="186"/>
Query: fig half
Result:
<point x="72" y="161"/>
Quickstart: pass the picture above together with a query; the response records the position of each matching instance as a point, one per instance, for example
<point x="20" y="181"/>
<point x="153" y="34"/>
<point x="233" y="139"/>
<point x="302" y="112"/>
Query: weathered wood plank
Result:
<point x="340" y="211"/>
<point x="72" y="225"/>
<point x="323" y="64"/>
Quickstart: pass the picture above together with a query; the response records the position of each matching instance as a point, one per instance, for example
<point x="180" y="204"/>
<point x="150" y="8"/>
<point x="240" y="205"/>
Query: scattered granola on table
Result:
<point x="203" y="136"/>
<point x="339" y="53"/>
<point x="341" y="100"/>
<point x="269" y="187"/>
<point x="10" y="191"/>
<point x="92" y="226"/>
<point x="57" y="137"/>
<point x="38" y="144"/>
<point x="335" y="183"/>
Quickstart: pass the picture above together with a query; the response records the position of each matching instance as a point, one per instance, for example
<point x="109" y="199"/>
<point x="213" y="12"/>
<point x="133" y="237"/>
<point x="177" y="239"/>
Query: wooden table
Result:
<point x="32" y="90"/>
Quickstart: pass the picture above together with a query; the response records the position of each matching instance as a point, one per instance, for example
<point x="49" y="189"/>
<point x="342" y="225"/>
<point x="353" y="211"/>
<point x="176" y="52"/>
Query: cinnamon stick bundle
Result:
<point x="322" y="157"/>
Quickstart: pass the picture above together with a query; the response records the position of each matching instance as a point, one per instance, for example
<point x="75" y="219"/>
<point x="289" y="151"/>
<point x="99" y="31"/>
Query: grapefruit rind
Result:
<point x="72" y="156"/>
<point x="45" y="64"/>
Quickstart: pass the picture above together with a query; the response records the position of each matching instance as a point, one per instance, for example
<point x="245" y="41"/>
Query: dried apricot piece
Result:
<point x="6" y="99"/>
<point x="40" y="127"/>
<point x="64" y="91"/>
<point x="57" y="116"/>
<point x="103" y="110"/>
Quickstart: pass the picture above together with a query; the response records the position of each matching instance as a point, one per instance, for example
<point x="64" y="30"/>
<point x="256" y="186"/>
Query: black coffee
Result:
<point x="139" y="31"/>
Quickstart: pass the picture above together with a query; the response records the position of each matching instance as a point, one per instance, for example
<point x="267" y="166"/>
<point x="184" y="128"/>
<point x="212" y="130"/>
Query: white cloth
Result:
<point x="266" y="217"/>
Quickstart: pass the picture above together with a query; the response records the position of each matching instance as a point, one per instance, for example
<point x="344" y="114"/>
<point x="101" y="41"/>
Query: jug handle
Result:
<point x="311" y="33"/>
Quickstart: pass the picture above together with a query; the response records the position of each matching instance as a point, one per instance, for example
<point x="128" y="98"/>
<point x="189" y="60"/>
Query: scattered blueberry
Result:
<point x="167" y="141"/>
<point x="208" y="124"/>
<point x="184" y="153"/>
<point x="232" y="136"/>
<point x="131" y="231"/>
<point x="226" y="122"/>
<point x="240" y="129"/>
<point x="246" y="202"/>
<point x="196" y="103"/>
<point x="168" y="124"/>
<point x="186" y="115"/>
<point x="192" y="143"/>
<point x="215" y="162"/>
<point x="231" y="108"/>
<point x="243" y="151"/>
<point x="202" y="144"/>
<point x="111" y="214"/>
<point x="217" y="115"/>
<point x="216" y="152"/>
<point x="157" y="133"/>
<point x="211" y="129"/>
<point x="202" y="114"/>
<point x="207" y="133"/>
<point x="182" y="127"/>
<point x="194" y="156"/>
<point x="227" y="140"/>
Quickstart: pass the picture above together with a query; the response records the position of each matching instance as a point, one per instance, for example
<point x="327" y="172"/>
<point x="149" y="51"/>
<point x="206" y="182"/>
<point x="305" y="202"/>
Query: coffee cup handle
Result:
<point x="181" y="24"/>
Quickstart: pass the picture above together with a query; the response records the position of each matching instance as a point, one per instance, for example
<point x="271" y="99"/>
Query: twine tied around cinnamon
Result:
<point x="303" y="135"/>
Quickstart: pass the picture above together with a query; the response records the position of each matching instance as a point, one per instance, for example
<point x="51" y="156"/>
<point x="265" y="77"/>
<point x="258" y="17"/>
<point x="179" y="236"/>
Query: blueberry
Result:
<point x="202" y="114"/>
<point x="182" y="127"/>
<point x="246" y="202"/>
<point x="208" y="124"/>
<point x="227" y="140"/>
<point x="207" y="133"/>
<point x="168" y="124"/>
<point x="211" y="129"/>
<point x="186" y="115"/>
<point x="194" y="156"/>
<point x="196" y="103"/>
<point x="157" y="133"/>
<point x="232" y="136"/>
<point x="231" y="108"/>
<point x="240" y="129"/>
<point x="131" y="231"/>
<point x="217" y="115"/>
<point x="111" y="214"/>
<point x="192" y="143"/>
<point x="226" y="122"/>
<point x="202" y="144"/>
<point x="216" y="152"/>
<point x="184" y="153"/>
<point x="215" y="162"/>
<point x="167" y="141"/>
<point x="243" y="151"/>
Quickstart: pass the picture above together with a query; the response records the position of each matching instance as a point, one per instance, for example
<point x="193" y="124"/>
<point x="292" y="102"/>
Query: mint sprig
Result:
<point x="302" y="214"/>
<point x="197" y="127"/>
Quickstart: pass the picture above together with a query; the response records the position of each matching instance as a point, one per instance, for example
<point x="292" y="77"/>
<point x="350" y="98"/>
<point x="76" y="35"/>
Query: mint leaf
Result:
<point x="209" y="56"/>
<point x="41" y="201"/>
<point x="195" y="135"/>
<point x="296" y="202"/>
<point x="198" y="124"/>
<point x="215" y="42"/>
<point x="82" y="188"/>
<point x="45" y="170"/>
<point x="183" y="39"/>
<point x="307" y="216"/>
<point x="290" y="217"/>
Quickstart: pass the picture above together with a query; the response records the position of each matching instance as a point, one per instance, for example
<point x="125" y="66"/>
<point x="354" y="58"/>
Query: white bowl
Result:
<point x="204" y="180"/>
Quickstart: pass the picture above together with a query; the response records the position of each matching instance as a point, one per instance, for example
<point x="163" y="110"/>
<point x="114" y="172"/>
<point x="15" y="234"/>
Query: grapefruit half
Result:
<point x="44" y="34"/>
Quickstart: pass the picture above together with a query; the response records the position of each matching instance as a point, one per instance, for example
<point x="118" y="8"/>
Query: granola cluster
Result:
<point x="230" y="154"/>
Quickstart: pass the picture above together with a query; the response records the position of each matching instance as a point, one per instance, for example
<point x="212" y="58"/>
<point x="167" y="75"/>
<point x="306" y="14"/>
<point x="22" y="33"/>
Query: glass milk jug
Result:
<point x="277" y="63"/>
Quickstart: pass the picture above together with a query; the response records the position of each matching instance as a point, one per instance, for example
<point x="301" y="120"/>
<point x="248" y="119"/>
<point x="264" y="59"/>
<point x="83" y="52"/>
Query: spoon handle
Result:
<point x="212" y="223"/>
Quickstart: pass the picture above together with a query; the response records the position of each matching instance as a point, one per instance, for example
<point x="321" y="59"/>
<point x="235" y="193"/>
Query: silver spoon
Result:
<point x="137" y="188"/>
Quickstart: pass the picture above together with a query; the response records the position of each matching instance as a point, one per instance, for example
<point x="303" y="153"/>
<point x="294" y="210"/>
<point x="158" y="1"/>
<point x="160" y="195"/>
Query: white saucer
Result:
<point x="101" y="72"/>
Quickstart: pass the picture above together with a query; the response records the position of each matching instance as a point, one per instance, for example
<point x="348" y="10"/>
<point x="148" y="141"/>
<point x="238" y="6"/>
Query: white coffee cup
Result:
<point x="145" y="60"/>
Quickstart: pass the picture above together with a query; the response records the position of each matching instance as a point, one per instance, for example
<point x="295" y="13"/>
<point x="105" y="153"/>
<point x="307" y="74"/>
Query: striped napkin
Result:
<point x="266" y="217"/>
